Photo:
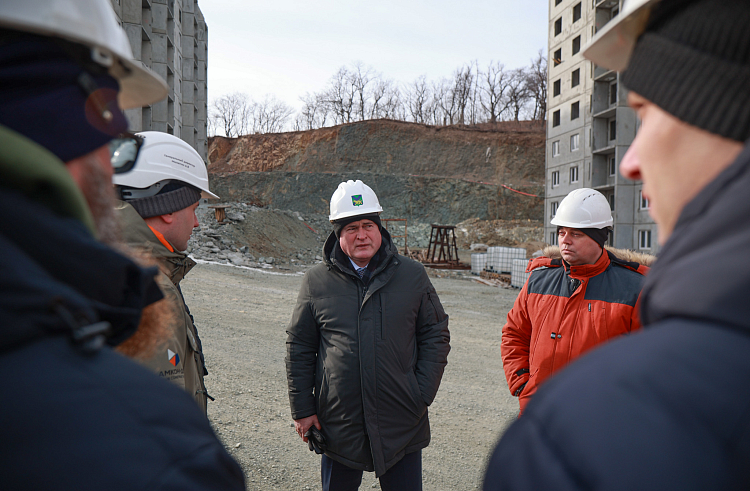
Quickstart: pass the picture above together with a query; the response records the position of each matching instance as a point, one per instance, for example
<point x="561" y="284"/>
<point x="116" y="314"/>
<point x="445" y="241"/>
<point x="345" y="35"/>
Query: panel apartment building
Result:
<point x="171" y="38"/>
<point x="590" y="126"/>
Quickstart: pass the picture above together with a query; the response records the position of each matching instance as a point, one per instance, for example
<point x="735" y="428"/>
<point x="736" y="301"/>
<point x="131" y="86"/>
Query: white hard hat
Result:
<point x="614" y="43"/>
<point x="584" y="208"/>
<point x="353" y="198"/>
<point x="164" y="157"/>
<point x="90" y="23"/>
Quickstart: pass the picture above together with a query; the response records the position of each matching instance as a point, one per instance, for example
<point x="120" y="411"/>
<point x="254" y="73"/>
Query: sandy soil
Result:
<point x="242" y="316"/>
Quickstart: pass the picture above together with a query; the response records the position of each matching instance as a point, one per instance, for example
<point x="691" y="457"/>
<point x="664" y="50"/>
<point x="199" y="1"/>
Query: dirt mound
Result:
<point x="426" y="174"/>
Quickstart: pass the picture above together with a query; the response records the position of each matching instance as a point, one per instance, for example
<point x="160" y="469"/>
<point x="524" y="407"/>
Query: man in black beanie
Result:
<point x="666" y="408"/>
<point x="81" y="415"/>
<point x="366" y="349"/>
<point x="160" y="196"/>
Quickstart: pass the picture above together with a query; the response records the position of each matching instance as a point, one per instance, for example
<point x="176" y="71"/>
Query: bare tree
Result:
<point x="314" y="112"/>
<point x="231" y="113"/>
<point x="360" y="78"/>
<point x="536" y="85"/>
<point x="495" y="84"/>
<point x="339" y="96"/>
<point x="418" y="100"/>
<point x="463" y="79"/>
<point x="517" y="93"/>
<point x="270" y="115"/>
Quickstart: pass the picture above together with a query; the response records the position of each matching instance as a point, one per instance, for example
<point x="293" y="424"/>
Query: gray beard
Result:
<point x="98" y="190"/>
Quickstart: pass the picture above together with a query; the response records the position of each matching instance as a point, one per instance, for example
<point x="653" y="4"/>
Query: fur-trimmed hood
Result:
<point x="553" y="252"/>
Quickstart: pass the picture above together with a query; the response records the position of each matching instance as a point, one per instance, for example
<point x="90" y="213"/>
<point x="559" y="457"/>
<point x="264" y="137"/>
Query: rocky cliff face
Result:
<point x="422" y="173"/>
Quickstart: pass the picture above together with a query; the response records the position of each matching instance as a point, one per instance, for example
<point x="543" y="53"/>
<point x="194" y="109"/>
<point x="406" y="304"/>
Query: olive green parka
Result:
<point x="180" y="361"/>
<point x="367" y="358"/>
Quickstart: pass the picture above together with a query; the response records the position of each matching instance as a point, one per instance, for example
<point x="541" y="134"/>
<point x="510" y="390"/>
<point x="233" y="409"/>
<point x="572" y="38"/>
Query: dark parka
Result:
<point x="186" y="369"/>
<point x="367" y="358"/>
<point x="77" y="414"/>
<point x="667" y="407"/>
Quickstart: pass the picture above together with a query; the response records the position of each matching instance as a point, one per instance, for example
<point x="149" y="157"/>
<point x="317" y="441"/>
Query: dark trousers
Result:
<point x="406" y="475"/>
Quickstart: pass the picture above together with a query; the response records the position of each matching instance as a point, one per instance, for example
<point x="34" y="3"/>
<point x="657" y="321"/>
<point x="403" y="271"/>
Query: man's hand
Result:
<point x="302" y="425"/>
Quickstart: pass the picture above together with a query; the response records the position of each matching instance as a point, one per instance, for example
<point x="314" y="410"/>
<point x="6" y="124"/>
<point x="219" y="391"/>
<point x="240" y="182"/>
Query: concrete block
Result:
<point x="135" y="34"/>
<point x="131" y="11"/>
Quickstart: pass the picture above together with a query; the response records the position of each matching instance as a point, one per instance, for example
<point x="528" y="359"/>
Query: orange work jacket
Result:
<point x="563" y="311"/>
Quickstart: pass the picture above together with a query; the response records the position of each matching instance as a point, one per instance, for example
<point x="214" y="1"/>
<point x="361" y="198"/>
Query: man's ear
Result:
<point x="168" y="218"/>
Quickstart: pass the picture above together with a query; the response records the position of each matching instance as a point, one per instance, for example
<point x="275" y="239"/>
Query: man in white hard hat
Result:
<point x="665" y="408"/>
<point x="79" y="415"/>
<point x="160" y="196"/>
<point x="366" y="349"/>
<point x="577" y="296"/>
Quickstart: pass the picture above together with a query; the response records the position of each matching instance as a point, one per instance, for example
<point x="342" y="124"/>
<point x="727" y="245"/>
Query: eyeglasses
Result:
<point x="123" y="152"/>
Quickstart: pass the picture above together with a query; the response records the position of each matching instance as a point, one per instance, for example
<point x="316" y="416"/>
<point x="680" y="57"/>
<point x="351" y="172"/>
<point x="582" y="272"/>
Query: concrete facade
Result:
<point x="171" y="38"/>
<point x="589" y="125"/>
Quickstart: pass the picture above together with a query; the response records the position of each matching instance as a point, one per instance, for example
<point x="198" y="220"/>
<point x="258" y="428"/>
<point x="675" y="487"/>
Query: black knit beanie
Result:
<point x="339" y="225"/>
<point x="175" y="196"/>
<point x="693" y="61"/>
<point x="599" y="235"/>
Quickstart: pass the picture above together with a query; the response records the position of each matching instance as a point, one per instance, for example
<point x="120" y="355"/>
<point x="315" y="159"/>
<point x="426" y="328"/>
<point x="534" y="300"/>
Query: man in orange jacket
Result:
<point x="573" y="300"/>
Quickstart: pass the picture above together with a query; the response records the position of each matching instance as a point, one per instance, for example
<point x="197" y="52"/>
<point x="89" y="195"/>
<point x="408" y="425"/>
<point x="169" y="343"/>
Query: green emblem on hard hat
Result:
<point x="357" y="200"/>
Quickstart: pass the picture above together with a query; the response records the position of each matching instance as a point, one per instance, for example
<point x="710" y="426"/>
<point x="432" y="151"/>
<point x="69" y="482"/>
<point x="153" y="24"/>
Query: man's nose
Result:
<point x="630" y="165"/>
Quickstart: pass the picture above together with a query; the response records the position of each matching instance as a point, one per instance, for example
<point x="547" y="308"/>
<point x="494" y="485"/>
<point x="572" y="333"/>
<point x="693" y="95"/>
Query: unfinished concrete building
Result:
<point x="171" y="38"/>
<point x="590" y="126"/>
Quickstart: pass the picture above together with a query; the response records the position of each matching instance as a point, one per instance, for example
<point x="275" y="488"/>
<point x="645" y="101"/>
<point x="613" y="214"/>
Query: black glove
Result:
<point x="315" y="440"/>
<point x="520" y="389"/>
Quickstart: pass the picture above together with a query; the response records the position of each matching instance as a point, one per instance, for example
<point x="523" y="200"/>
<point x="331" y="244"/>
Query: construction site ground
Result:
<point x="242" y="315"/>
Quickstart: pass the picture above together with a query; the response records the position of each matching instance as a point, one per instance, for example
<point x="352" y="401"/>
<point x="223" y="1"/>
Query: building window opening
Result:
<point x="575" y="77"/>
<point x="555" y="178"/>
<point x="612" y="129"/>
<point x="611" y="199"/>
<point x="644" y="239"/>
<point x="556" y="88"/>
<point x="576" y="44"/>
<point x="612" y="165"/>
<point x="577" y="12"/>
<point x="553" y="238"/>
<point x="553" y="209"/>
<point x="575" y="142"/>
<point x="558" y="26"/>
<point x="575" y="110"/>
<point x="613" y="93"/>
<point x="643" y="201"/>
<point x="557" y="58"/>
<point x="556" y="148"/>
<point x="574" y="174"/>
<point x="556" y="118"/>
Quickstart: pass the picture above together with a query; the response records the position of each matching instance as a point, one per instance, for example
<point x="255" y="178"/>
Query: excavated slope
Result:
<point x="420" y="172"/>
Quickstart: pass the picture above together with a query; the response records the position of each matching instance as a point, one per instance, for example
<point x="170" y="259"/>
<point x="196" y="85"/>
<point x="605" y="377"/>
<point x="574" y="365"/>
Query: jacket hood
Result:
<point x="702" y="273"/>
<point x="137" y="235"/>
<point x="73" y="284"/>
<point x="626" y="255"/>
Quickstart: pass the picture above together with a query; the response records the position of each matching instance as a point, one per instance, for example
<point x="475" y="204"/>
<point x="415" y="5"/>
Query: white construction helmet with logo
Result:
<point x="161" y="159"/>
<point x="353" y="198"/>
<point x="583" y="208"/>
<point x="90" y="23"/>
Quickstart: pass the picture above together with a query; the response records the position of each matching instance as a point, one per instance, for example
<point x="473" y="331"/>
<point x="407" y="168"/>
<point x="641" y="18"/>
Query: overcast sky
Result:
<point x="288" y="47"/>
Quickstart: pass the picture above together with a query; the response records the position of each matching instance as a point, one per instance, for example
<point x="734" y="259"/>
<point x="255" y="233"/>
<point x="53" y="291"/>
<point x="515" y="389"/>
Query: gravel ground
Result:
<point x="242" y="316"/>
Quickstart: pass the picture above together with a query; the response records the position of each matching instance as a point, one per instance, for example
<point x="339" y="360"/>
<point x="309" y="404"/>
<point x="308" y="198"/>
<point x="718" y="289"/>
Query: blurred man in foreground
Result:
<point x="666" y="408"/>
<point x="78" y="415"/>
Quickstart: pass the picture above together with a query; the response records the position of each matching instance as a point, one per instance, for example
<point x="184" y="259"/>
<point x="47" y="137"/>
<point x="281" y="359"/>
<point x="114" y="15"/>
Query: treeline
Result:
<point x="472" y="95"/>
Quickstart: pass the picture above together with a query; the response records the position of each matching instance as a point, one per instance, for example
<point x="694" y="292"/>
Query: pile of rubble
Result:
<point x="285" y="240"/>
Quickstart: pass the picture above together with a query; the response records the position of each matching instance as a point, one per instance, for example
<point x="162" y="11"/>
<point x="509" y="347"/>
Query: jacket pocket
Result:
<point x="416" y="394"/>
<point x="322" y="394"/>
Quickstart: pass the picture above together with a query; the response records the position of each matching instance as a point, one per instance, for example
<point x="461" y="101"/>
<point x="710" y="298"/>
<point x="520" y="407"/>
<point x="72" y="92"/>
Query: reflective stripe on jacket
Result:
<point x="563" y="311"/>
